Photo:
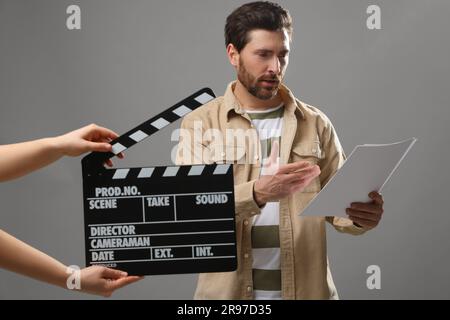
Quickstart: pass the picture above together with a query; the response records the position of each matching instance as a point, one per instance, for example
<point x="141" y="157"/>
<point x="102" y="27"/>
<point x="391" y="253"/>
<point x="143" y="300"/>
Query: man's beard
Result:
<point x="254" y="86"/>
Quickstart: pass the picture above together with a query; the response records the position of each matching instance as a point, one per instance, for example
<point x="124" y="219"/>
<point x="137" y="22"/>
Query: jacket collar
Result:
<point x="232" y="104"/>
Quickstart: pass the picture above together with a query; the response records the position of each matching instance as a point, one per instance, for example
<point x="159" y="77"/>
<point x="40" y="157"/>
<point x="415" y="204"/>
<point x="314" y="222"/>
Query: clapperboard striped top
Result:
<point x="155" y="124"/>
<point x="157" y="172"/>
<point x="265" y="229"/>
<point x="150" y="127"/>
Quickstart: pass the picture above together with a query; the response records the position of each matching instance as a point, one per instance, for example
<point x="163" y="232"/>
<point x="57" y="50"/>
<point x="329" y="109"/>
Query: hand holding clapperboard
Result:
<point x="159" y="220"/>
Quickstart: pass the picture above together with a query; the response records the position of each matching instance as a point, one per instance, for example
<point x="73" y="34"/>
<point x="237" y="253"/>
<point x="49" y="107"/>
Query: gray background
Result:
<point x="133" y="59"/>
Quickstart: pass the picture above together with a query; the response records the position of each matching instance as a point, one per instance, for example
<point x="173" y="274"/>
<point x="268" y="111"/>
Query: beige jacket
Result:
<point x="307" y="135"/>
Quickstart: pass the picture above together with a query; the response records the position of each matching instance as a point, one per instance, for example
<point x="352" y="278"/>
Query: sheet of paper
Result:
<point x="368" y="168"/>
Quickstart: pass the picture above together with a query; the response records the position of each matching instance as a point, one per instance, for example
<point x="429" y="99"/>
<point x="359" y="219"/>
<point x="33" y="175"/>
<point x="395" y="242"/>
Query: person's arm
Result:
<point x="19" y="257"/>
<point x="19" y="159"/>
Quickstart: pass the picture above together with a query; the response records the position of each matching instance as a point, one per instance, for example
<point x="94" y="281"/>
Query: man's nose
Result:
<point x="275" y="66"/>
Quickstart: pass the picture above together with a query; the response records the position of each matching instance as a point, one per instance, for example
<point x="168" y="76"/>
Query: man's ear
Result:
<point x="233" y="55"/>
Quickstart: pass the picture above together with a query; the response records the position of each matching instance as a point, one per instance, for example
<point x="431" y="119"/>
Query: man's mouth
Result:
<point x="270" y="83"/>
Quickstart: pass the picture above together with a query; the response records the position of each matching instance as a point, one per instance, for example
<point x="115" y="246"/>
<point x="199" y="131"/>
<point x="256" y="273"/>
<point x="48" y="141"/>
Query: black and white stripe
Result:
<point x="168" y="172"/>
<point x="162" y="120"/>
<point x="150" y="127"/>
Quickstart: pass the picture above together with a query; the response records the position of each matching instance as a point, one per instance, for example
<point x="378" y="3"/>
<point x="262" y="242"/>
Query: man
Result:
<point x="17" y="160"/>
<point x="295" y="153"/>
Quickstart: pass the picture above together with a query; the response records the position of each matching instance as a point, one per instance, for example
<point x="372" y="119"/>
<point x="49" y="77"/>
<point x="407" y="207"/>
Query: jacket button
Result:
<point x="246" y="256"/>
<point x="245" y="222"/>
<point x="249" y="288"/>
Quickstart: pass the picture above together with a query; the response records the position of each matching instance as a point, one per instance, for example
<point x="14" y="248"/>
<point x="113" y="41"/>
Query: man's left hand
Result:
<point x="367" y="215"/>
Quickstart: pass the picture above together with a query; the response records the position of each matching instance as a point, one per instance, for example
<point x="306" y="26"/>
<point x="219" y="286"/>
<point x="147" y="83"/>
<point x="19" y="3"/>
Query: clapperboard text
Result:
<point x="163" y="201"/>
<point x="130" y="230"/>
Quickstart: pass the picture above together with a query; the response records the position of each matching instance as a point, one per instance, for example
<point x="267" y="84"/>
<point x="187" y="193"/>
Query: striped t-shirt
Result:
<point x="265" y="229"/>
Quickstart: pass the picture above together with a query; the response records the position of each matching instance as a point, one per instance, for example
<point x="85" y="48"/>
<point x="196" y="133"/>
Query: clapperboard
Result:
<point x="159" y="220"/>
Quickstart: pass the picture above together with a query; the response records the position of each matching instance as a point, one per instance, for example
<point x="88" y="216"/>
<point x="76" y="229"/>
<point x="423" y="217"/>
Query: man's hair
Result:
<point x="255" y="15"/>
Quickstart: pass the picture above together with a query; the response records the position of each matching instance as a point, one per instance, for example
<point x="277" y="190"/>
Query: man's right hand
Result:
<point x="287" y="180"/>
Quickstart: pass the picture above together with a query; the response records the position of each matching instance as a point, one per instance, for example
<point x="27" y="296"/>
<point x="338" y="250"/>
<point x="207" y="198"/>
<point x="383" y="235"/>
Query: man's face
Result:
<point x="263" y="62"/>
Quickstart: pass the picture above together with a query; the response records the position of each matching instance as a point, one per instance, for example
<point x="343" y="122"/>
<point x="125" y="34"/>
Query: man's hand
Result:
<point x="367" y="215"/>
<point x="104" y="281"/>
<point x="284" y="180"/>
<point x="86" y="139"/>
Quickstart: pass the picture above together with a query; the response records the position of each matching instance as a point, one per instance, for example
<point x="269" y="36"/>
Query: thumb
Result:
<point x="273" y="158"/>
<point x="122" y="282"/>
<point x="113" y="274"/>
<point x="98" y="146"/>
